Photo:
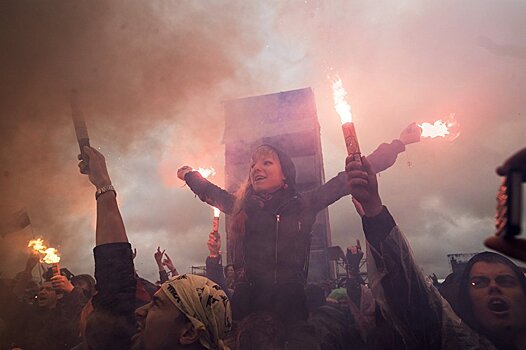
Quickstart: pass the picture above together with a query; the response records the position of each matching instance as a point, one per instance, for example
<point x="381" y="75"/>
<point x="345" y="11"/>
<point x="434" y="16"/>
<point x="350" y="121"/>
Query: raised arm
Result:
<point x="207" y="191"/>
<point x="114" y="270"/>
<point x="411" y="304"/>
<point x="110" y="228"/>
<point x="385" y="155"/>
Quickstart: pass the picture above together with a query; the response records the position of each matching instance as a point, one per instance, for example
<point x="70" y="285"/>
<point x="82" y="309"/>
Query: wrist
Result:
<point x="373" y="207"/>
<point x="104" y="189"/>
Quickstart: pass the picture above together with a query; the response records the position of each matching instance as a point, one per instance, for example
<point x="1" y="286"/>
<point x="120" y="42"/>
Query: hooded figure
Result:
<point x="271" y="231"/>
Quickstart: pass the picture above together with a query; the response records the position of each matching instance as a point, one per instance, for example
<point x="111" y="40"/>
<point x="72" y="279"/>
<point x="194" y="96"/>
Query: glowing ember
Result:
<point x="206" y="172"/>
<point x="448" y="129"/>
<point x="49" y="255"/>
<point x="341" y="105"/>
<point x="216" y="212"/>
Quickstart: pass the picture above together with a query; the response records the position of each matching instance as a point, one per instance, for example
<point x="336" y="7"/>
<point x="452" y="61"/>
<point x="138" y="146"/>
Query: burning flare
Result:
<point x="344" y="111"/>
<point x="341" y="105"/>
<point x="448" y="129"/>
<point x="216" y="212"/>
<point x="206" y="172"/>
<point x="50" y="255"/>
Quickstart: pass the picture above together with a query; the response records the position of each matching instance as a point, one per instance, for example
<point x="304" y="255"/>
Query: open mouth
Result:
<point x="259" y="177"/>
<point x="498" y="305"/>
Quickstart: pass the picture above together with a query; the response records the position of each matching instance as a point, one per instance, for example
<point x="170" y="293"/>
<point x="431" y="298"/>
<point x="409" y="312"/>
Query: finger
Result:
<point x="167" y="256"/>
<point x="352" y="164"/>
<point x="367" y="166"/>
<point x="79" y="156"/>
<point x="359" y="183"/>
<point x="83" y="168"/>
<point x="358" y="174"/>
<point x="514" y="247"/>
<point x="163" y="252"/>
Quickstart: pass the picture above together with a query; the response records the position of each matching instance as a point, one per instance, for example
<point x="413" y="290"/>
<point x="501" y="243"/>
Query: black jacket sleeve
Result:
<point x="116" y="283"/>
<point x="328" y="193"/>
<point x="210" y="193"/>
<point x="214" y="272"/>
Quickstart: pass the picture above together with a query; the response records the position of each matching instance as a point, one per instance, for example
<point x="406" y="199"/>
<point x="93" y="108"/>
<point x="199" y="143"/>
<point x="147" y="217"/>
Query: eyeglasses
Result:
<point x="505" y="281"/>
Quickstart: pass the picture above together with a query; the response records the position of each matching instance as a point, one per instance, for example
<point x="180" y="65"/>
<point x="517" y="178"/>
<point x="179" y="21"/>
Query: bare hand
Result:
<point x="158" y="256"/>
<point x="183" y="171"/>
<point x="169" y="264"/>
<point x="61" y="284"/>
<point x="411" y="134"/>
<point x="214" y="243"/>
<point x="364" y="186"/>
<point x="97" y="171"/>
<point x="516" y="162"/>
<point x="513" y="247"/>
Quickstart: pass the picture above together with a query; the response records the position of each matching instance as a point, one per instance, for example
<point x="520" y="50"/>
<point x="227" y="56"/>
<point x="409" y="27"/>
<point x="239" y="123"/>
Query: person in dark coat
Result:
<point x="271" y="230"/>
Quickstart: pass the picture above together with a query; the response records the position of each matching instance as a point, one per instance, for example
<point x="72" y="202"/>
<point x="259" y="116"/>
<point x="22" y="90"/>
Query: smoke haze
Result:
<point x="152" y="76"/>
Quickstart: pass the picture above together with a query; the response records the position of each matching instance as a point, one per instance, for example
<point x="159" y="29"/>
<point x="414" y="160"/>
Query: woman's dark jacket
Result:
<point x="275" y="245"/>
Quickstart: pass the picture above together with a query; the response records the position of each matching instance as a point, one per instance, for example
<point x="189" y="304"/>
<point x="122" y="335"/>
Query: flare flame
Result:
<point x="448" y="129"/>
<point x="48" y="255"/>
<point x="206" y="172"/>
<point x="341" y="105"/>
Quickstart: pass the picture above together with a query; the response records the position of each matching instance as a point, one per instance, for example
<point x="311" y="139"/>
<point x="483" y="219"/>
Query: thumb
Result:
<point x="367" y="166"/>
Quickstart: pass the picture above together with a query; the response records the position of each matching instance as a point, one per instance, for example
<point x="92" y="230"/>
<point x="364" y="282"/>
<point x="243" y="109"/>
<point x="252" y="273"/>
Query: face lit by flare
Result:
<point x="47" y="296"/>
<point x="497" y="298"/>
<point x="266" y="175"/>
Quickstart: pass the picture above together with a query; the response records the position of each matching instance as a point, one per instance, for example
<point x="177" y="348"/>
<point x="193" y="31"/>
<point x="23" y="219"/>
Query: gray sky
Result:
<point x="152" y="76"/>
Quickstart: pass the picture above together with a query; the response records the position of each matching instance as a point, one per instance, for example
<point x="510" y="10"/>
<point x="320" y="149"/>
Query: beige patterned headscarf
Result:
<point x="206" y="306"/>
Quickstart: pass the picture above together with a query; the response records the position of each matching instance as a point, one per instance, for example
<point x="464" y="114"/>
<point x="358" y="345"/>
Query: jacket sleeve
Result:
<point x="414" y="307"/>
<point x="214" y="272"/>
<point x="116" y="283"/>
<point x="210" y="193"/>
<point x="385" y="155"/>
<point x="328" y="193"/>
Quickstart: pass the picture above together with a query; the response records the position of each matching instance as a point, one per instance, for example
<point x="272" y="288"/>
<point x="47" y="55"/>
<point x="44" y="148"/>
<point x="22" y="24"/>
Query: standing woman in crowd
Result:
<point x="271" y="230"/>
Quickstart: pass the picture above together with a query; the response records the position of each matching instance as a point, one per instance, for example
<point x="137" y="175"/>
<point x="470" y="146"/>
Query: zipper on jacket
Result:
<point x="276" y="251"/>
<point x="278" y="215"/>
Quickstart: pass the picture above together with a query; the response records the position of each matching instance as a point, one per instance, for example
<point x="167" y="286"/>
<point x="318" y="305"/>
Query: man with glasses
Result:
<point x="492" y="300"/>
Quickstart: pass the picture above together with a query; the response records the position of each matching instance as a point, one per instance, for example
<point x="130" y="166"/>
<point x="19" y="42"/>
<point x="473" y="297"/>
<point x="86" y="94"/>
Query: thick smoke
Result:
<point x="152" y="76"/>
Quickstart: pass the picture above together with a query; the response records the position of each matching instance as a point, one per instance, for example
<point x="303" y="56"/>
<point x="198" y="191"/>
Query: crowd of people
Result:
<point x="262" y="300"/>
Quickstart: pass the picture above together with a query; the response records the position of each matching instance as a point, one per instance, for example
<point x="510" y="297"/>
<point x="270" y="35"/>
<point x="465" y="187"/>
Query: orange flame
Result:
<point x="216" y="212"/>
<point x="341" y="105"/>
<point x="206" y="172"/>
<point x="50" y="255"/>
<point x="448" y="129"/>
